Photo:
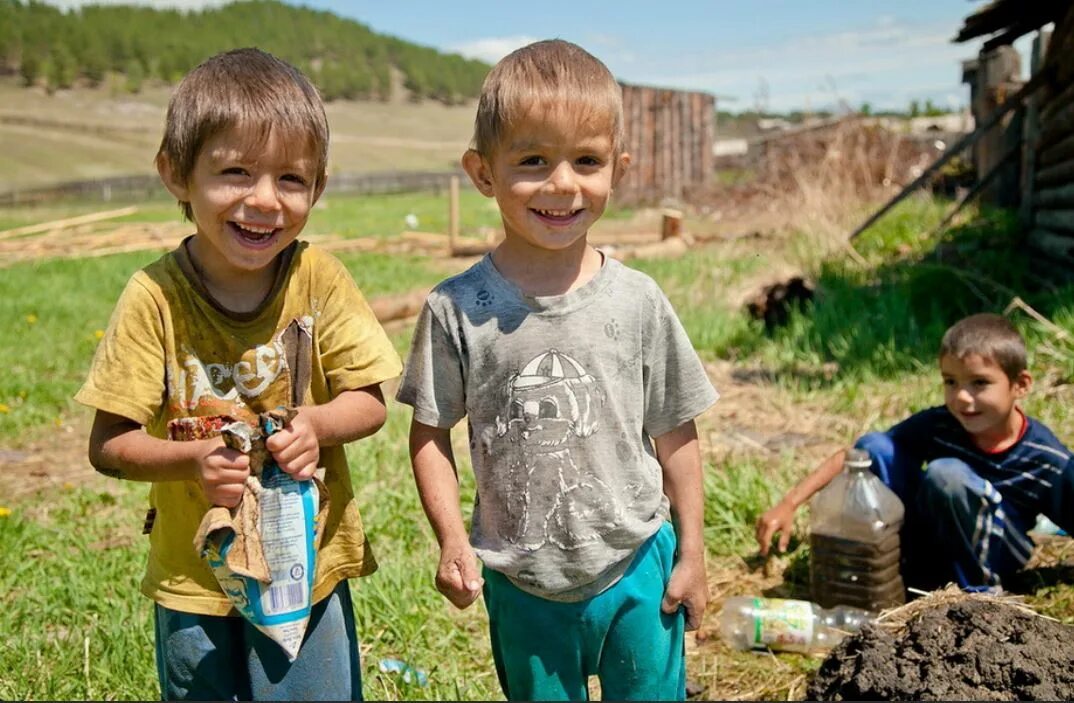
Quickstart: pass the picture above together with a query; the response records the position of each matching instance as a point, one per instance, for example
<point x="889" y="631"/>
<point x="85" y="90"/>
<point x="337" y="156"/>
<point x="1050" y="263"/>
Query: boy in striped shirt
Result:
<point x="974" y="474"/>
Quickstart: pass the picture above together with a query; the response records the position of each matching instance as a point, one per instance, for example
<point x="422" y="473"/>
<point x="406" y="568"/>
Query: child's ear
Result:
<point x="479" y="172"/>
<point x="1022" y="384"/>
<point x="175" y="186"/>
<point x="621" y="166"/>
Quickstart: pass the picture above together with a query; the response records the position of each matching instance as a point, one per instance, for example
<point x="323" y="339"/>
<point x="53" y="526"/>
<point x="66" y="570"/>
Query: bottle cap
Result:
<point x="858" y="459"/>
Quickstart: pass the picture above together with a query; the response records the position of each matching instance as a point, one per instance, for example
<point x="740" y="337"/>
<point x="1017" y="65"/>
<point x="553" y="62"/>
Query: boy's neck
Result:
<point x="541" y="272"/>
<point x="239" y="294"/>
<point x="1003" y="438"/>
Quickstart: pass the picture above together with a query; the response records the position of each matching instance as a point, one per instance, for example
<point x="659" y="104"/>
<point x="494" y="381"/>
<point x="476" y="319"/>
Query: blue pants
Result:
<point x="207" y="657"/>
<point x="546" y="650"/>
<point x="958" y="527"/>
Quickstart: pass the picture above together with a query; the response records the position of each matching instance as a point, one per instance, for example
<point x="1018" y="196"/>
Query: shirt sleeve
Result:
<point x="354" y="349"/>
<point x="433" y="382"/>
<point x="911" y="435"/>
<point x="128" y="376"/>
<point x="677" y="389"/>
<point x="1060" y="506"/>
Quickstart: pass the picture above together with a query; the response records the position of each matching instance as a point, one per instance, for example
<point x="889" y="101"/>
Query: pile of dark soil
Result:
<point x="967" y="649"/>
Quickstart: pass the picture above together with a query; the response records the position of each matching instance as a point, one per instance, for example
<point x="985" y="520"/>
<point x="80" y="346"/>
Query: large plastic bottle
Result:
<point x="787" y="625"/>
<point x="854" y="539"/>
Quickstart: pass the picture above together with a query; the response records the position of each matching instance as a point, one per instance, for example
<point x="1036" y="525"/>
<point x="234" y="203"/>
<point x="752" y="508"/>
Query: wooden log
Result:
<point x="355" y="244"/>
<point x="670" y="224"/>
<point x="1059" y="125"/>
<point x="1060" y="197"/>
<point x="1056" y="174"/>
<point x="68" y="222"/>
<point x="397" y="307"/>
<point x="1053" y="244"/>
<point x="1048" y="110"/>
<point x="429" y="240"/>
<point x="1063" y="151"/>
<point x="472" y="248"/>
<point x="666" y="249"/>
<point x="1056" y="220"/>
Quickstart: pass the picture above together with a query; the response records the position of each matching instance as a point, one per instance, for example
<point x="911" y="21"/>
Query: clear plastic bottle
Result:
<point x="854" y="539"/>
<point x="787" y="625"/>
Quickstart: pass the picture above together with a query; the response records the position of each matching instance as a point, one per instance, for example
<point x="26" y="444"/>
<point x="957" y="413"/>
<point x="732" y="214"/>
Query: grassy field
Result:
<point x="87" y="133"/>
<point x="861" y="356"/>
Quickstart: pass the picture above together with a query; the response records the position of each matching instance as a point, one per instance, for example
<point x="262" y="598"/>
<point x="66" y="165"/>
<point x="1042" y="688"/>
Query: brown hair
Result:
<point x="990" y="336"/>
<point x="552" y="75"/>
<point x="248" y="88"/>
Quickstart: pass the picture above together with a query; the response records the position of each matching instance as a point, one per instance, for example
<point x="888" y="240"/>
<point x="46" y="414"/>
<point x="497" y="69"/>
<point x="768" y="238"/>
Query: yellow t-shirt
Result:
<point x="171" y="351"/>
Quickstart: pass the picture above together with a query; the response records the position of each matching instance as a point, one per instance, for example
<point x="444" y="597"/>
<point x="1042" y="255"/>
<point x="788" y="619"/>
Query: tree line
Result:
<point x="46" y="46"/>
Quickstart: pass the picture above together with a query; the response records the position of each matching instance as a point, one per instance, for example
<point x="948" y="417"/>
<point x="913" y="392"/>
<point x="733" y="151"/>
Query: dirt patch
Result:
<point x="57" y="462"/>
<point x="969" y="649"/>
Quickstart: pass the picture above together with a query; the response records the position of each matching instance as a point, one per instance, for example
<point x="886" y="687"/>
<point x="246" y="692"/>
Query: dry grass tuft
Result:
<point x="897" y="619"/>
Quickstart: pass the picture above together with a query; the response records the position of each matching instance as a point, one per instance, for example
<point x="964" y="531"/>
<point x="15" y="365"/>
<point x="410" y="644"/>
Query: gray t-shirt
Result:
<point x="563" y="394"/>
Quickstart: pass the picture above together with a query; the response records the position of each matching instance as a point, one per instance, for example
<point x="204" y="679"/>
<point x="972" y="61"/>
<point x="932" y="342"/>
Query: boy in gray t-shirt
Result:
<point x="581" y="389"/>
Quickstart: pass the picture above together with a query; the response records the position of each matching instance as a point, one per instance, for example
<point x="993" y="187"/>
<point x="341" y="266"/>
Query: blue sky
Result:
<point x="784" y="54"/>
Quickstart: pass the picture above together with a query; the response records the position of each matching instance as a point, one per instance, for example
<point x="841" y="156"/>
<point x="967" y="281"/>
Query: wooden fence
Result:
<point x="669" y="136"/>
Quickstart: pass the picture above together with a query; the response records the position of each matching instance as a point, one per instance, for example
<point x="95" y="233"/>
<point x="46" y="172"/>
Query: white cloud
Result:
<point x="162" y="4"/>
<point x="491" y="49"/>
<point x="888" y="63"/>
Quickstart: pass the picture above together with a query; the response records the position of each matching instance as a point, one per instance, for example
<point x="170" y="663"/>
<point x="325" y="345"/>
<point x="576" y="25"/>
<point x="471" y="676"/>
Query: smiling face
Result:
<point x="982" y="397"/>
<point x="551" y="175"/>
<point x="250" y="199"/>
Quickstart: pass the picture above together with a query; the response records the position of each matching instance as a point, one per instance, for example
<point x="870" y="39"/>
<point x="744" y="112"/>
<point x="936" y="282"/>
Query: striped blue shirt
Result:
<point x="1035" y="475"/>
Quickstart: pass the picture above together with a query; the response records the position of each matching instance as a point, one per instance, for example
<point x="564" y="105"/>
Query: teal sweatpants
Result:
<point x="547" y="650"/>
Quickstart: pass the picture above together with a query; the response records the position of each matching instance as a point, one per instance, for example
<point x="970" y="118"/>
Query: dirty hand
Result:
<point x="222" y="473"/>
<point x="778" y="520"/>
<point x="687" y="587"/>
<point x="457" y="575"/>
<point x="295" y="448"/>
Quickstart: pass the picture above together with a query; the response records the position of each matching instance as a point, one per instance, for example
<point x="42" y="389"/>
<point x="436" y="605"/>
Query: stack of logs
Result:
<point x="1052" y="195"/>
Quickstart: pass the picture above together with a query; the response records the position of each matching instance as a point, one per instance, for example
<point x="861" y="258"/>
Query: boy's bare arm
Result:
<point x="349" y="416"/>
<point x="457" y="575"/>
<point x="120" y="448"/>
<point x="680" y="458"/>
<point x="779" y="519"/>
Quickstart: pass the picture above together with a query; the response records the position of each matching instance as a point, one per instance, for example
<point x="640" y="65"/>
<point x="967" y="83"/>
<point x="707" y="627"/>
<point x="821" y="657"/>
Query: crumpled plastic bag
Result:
<point x="263" y="551"/>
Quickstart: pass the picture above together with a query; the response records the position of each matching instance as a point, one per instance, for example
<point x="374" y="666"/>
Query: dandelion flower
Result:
<point x="4" y="512"/>
<point x="31" y="319"/>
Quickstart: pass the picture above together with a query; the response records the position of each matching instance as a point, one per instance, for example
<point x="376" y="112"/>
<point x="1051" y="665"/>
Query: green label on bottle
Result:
<point x="779" y="623"/>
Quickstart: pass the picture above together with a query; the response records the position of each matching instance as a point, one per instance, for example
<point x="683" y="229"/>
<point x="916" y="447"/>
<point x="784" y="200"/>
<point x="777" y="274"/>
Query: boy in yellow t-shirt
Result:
<point x="201" y="332"/>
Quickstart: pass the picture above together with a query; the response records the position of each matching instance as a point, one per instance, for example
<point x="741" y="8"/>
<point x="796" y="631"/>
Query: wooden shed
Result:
<point x="669" y="135"/>
<point x="1042" y="140"/>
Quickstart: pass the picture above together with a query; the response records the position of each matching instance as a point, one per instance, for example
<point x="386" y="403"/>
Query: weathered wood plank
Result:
<point x="1053" y="244"/>
<point x="1060" y="220"/>
<point x="1054" y="175"/>
<point x="1063" y="151"/>
<point x="1060" y="197"/>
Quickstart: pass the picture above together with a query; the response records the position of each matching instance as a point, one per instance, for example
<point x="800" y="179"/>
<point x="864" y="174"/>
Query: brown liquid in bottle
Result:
<point x="854" y="540"/>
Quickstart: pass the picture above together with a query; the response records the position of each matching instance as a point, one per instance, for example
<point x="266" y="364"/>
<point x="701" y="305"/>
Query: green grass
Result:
<point x="384" y="215"/>
<point x="73" y="558"/>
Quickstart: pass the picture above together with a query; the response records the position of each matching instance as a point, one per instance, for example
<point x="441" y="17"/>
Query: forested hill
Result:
<point x="46" y="46"/>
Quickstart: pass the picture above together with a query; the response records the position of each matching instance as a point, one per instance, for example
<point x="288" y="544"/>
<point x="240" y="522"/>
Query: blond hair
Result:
<point x="245" y="88"/>
<point x="547" y="75"/>
<point x="990" y="336"/>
